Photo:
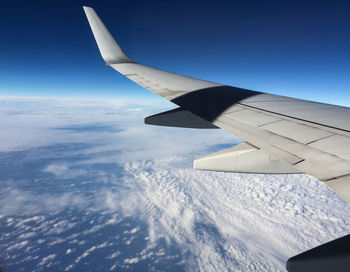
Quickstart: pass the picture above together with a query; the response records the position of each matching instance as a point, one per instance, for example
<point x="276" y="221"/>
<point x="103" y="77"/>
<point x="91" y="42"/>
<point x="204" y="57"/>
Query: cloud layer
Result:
<point x="85" y="181"/>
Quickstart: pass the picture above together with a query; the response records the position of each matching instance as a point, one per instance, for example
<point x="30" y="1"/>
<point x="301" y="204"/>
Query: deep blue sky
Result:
<point x="293" y="48"/>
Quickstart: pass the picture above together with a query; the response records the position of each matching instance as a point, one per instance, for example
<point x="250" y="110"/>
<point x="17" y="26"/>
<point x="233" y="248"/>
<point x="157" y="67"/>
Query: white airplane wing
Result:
<point x="282" y="134"/>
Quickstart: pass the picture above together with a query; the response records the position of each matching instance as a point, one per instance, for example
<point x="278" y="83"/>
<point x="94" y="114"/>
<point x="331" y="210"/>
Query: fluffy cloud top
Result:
<point x="85" y="184"/>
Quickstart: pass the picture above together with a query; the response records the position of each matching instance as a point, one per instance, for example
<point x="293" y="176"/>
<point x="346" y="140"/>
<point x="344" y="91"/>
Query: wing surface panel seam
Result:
<point x="232" y="111"/>
<point x="298" y="162"/>
<point x="337" y="177"/>
<point x="300" y="156"/>
<point x="260" y="126"/>
<point x="295" y="118"/>
<point x="325" y="137"/>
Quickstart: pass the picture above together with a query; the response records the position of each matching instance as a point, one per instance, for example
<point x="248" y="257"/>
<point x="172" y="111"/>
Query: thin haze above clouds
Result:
<point x="98" y="160"/>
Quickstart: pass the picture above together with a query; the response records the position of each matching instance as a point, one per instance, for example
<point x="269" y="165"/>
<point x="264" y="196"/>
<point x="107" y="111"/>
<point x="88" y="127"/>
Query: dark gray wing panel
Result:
<point x="178" y="117"/>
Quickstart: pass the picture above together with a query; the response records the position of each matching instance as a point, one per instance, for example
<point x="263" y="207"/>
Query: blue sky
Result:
<point x="292" y="48"/>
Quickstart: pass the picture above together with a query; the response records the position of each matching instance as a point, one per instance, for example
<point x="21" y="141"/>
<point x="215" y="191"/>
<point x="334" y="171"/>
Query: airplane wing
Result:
<point x="282" y="134"/>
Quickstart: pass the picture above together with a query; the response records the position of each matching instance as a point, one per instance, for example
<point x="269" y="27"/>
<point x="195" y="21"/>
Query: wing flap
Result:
<point x="244" y="158"/>
<point x="318" y="163"/>
<point x="341" y="186"/>
<point x="338" y="145"/>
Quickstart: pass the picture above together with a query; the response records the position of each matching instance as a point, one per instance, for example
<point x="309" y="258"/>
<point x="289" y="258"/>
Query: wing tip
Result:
<point x="109" y="48"/>
<point x="86" y="9"/>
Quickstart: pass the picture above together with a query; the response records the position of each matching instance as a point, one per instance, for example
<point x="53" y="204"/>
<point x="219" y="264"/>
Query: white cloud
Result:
<point x="36" y="122"/>
<point x="114" y="255"/>
<point x="57" y="169"/>
<point x="63" y="171"/>
<point x="217" y="220"/>
<point x="19" y="202"/>
<point x="131" y="261"/>
<point x="26" y="235"/>
<point x="85" y="254"/>
<point x="260" y="220"/>
<point x="134" y="230"/>
<point x="47" y="259"/>
<point x="18" y="245"/>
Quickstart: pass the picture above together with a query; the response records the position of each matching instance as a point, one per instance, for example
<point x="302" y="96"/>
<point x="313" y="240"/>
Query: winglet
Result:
<point x="109" y="48"/>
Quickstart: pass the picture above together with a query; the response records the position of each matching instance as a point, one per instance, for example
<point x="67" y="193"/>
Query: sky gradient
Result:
<point x="292" y="48"/>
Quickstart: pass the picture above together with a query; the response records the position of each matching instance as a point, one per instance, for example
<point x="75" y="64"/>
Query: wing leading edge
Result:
<point x="305" y="136"/>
